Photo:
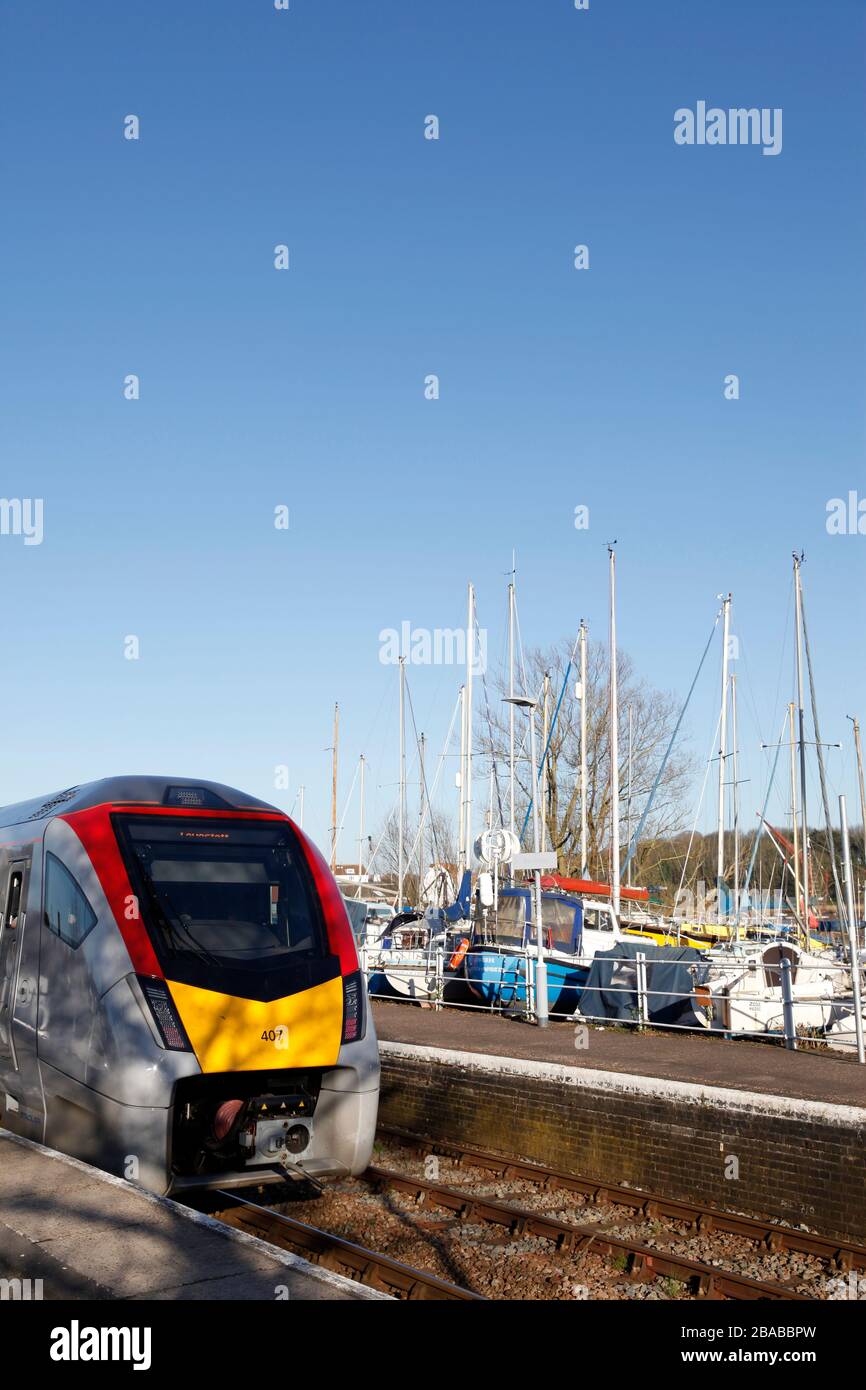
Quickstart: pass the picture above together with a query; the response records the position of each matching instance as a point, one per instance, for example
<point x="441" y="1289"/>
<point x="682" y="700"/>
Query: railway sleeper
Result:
<point x="641" y="1269"/>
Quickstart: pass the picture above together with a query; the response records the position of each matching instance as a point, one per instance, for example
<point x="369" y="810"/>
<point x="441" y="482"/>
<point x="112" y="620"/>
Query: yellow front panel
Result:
<point x="230" y="1034"/>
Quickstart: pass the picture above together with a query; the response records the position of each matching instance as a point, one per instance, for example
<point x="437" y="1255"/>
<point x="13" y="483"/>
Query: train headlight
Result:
<point x="354" y="1011"/>
<point x="164" y="1014"/>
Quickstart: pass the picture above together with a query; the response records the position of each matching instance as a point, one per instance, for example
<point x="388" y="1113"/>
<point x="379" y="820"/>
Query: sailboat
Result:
<point x="500" y="962"/>
<point x="423" y="946"/>
<point x="421" y="950"/>
<point x="745" y="984"/>
<point x="744" y="991"/>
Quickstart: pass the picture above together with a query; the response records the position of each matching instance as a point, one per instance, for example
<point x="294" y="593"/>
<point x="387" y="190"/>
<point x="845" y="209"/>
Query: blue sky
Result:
<point x="409" y="257"/>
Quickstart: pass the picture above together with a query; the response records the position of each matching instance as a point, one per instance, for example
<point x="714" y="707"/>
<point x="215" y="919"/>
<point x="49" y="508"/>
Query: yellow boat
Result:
<point x="686" y="937"/>
<point x="705" y="935"/>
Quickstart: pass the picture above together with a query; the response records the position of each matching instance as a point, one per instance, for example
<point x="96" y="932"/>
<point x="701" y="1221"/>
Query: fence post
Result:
<point x="640" y="972"/>
<point x="788" y="1006"/>
<point x="853" y="944"/>
<point x="440" y="976"/>
<point x="530" y="986"/>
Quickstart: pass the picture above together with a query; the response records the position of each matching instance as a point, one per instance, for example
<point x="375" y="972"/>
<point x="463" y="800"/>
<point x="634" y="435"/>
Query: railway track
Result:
<point x="639" y="1262"/>
<point x="466" y="1210"/>
<point x="839" y="1255"/>
<point x="643" y="1262"/>
<point x="332" y="1252"/>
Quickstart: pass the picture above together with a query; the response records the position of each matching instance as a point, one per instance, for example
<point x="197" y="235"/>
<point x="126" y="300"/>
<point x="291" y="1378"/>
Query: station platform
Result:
<point x="744" y="1125"/>
<point x="88" y="1235"/>
<point x="687" y="1057"/>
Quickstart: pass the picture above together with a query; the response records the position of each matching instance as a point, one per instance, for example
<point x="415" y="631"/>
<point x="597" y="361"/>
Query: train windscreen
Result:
<point x="225" y="895"/>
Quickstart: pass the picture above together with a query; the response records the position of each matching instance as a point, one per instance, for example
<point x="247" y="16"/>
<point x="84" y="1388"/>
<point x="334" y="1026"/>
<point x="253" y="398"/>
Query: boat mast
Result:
<point x="362" y="765"/>
<point x="584" y="869"/>
<point x="628" y="803"/>
<point x="822" y="771"/>
<point x="614" y="742"/>
<point x="334" y="788"/>
<point x="859" y="753"/>
<point x="802" y="729"/>
<point x="723" y="752"/>
<point x="461" y="777"/>
<point x="421" y="812"/>
<point x="794" y="812"/>
<point x="853" y="943"/>
<point x="470" y="661"/>
<point x="735" y="796"/>
<point x="545" y="734"/>
<point x="511" y="696"/>
<point x="401" y="866"/>
<point x="762" y="907"/>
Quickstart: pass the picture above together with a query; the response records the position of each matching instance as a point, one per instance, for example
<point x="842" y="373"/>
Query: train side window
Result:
<point x="67" y="912"/>
<point x="13" y="899"/>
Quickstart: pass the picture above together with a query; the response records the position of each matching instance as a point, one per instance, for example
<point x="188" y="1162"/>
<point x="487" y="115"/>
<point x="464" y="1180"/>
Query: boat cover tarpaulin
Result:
<point x="593" y="888"/>
<point x="671" y="975"/>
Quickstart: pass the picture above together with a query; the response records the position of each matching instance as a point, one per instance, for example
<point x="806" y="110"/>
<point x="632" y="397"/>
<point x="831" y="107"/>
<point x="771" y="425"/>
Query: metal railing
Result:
<point x="781" y="1012"/>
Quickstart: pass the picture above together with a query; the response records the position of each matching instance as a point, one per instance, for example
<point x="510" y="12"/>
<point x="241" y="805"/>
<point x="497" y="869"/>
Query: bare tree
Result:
<point x="654" y="715"/>
<point x="439" y="847"/>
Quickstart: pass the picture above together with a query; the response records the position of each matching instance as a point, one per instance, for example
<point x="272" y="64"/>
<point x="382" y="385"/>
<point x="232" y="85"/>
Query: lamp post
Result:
<point x="541" y="1000"/>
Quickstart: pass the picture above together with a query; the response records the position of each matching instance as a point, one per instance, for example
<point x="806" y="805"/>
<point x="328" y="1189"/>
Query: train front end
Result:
<point x="246" y="973"/>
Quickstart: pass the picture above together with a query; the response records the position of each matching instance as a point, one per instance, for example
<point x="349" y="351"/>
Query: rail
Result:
<point x="641" y="1261"/>
<point x="839" y="1254"/>
<point x="367" y="1267"/>
<point x="808" y="1005"/>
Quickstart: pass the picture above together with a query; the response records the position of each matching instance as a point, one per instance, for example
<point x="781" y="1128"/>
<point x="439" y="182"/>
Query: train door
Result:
<point x="11" y="932"/>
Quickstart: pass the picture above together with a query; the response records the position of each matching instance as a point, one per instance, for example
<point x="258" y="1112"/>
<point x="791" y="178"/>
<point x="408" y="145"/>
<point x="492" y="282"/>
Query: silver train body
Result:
<point x="180" y="998"/>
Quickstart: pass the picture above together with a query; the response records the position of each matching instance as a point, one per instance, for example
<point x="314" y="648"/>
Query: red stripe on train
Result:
<point x="96" y="833"/>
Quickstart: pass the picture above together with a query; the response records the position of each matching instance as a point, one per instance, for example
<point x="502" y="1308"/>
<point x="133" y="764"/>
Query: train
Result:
<point x="181" y="1001"/>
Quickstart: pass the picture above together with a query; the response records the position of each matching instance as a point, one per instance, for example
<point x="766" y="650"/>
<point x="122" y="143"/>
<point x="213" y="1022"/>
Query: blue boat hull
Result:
<point x="498" y="979"/>
<point x="377" y="984"/>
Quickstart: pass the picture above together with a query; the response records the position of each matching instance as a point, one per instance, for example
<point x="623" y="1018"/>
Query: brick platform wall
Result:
<point x="802" y="1162"/>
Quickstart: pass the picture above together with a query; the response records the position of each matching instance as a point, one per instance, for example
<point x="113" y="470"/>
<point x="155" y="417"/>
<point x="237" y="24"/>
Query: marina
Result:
<point x="531" y="934"/>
